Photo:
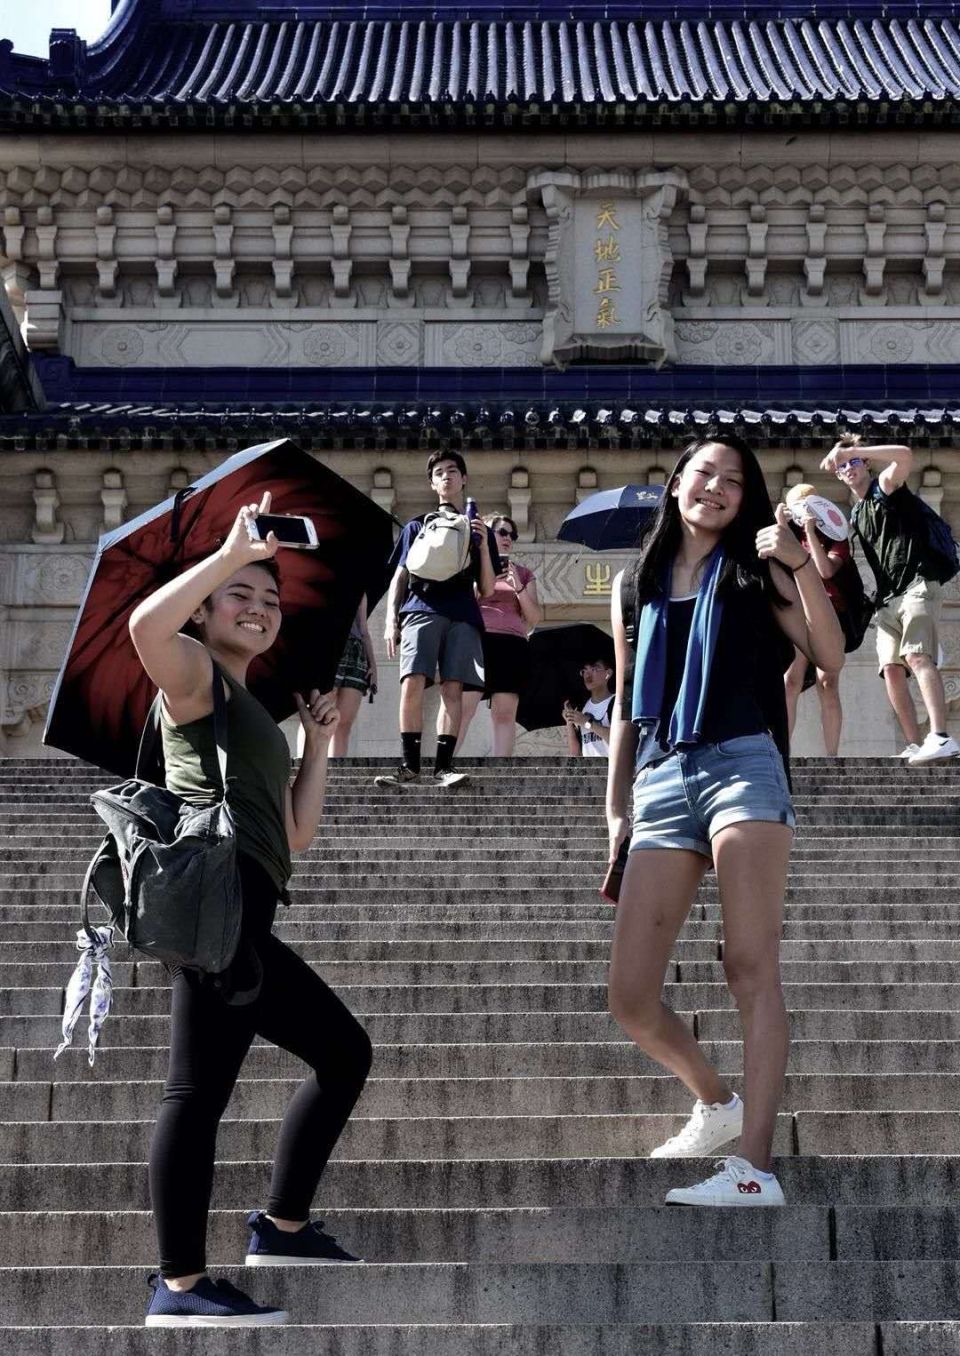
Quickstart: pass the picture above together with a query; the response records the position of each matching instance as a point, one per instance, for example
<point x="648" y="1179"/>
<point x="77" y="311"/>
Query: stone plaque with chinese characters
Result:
<point x="608" y="264"/>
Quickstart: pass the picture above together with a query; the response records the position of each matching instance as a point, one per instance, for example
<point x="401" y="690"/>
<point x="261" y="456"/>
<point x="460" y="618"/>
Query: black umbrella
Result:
<point x="612" y="520"/>
<point x="102" y="694"/>
<point x="557" y="654"/>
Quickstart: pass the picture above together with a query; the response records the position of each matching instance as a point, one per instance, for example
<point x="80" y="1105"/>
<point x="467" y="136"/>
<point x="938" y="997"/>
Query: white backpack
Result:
<point x="441" y="549"/>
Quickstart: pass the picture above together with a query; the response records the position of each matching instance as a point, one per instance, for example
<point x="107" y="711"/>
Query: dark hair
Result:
<point x="743" y="569"/>
<point x="437" y="457"/>
<point x="493" y="521"/>
<point x="272" y="569"/>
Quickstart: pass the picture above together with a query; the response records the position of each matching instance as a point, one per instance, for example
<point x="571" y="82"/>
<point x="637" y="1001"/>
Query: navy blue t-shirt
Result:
<point x="454" y="598"/>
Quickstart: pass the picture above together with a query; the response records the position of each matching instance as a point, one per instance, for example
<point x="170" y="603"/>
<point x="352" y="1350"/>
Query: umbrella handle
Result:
<point x="178" y="502"/>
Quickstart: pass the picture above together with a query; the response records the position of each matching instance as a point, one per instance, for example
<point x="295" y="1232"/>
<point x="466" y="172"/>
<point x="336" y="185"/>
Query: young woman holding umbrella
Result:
<point x="720" y="593"/>
<point x="232" y="602"/>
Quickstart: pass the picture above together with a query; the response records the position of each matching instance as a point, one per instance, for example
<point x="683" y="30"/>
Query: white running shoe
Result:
<point x="934" y="749"/>
<point x="908" y="752"/>
<point x="737" y="1183"/>
<point x="708" y="1129"/>
<point x="451" y="778"/>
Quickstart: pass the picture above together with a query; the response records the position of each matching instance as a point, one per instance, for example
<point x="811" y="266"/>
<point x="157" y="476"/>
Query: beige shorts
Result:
<point x="908" y="624"/>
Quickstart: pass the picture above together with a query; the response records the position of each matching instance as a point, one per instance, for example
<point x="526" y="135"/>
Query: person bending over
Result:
<point x="719" y="595"/>
<point x="232" y="602"/>
<point x="888" y="520"/>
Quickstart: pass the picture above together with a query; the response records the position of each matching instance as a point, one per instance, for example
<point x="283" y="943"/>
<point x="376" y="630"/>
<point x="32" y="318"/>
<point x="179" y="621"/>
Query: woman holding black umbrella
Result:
<point x="232" y="603"/>
<point x="720" y="593"/>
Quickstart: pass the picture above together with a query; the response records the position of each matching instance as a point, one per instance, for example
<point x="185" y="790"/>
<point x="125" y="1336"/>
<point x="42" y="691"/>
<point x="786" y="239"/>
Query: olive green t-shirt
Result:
<point x="258" y="774"/>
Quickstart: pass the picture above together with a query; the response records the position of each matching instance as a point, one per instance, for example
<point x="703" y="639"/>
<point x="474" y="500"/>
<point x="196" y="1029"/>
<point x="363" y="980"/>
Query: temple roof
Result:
<point x="632" y="406"/>
<point x="205" y="63"/>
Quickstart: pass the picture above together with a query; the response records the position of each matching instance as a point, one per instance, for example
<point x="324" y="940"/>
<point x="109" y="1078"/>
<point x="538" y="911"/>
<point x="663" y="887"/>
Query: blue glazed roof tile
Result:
<point x="276" y="62"/>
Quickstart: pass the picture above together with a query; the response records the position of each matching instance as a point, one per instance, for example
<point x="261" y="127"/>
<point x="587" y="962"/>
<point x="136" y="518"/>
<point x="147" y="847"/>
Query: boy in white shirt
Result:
<point x="588" y="730"/>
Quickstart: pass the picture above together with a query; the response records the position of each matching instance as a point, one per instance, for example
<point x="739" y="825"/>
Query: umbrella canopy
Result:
<point x="612" y="520"/>
<point x="556" y="656"/>
<point x="102" y="694"/>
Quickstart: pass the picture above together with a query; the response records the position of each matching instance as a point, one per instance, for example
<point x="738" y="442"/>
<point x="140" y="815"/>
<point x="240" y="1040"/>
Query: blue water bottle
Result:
<point x="471" y="509"/>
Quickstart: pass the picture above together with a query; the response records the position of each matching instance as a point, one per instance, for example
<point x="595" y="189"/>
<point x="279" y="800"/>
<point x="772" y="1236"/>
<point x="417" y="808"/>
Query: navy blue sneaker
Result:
<point x="210" y="1304"/>
<point x="309" y="1246"/>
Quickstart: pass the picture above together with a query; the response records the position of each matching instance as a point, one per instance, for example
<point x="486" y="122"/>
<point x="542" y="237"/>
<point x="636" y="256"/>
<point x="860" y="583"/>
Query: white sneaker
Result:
<point x="451" y="778"/>
<point x="934" y="749"/>
<point x="737" y="1183"/>
<point x="908" y="752"/>
<point x="707" y="1130"/>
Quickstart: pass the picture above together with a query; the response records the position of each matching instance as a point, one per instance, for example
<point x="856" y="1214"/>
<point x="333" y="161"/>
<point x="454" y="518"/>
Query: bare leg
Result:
<point x="659" y="886"/>
<point x="831" y="712"/>
<point x="348" y="704"/>
<point x="793" y="685"/>
<point x="895" y="678"/>
<point x="930" y="684"/>
<point x="503" y="709"/>
<point x="471" y="700"/>
<point x="411" y="703"/>
<point x="451" y="708"/>
<point x="751" y="860"/>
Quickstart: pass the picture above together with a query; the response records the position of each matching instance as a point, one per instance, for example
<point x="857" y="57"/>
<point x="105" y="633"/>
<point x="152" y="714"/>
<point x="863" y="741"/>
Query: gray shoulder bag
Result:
<point x="166" y="871"/>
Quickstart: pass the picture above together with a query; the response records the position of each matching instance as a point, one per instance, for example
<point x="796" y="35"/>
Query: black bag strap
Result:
<point x="104" y="852"/>
<point x="151" y="745"/>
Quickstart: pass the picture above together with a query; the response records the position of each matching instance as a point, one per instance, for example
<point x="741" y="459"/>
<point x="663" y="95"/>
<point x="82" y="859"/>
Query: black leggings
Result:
<point x="209" y="1040"/>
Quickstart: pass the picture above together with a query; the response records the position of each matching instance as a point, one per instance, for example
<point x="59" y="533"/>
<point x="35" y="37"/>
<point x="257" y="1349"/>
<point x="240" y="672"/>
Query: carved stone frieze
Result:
<point x="733" y="342"/>
<point x="213" y="341"/>
<point x="507" y="344"/>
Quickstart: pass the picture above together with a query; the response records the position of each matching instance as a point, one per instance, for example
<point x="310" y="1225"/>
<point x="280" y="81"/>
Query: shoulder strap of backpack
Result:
<point x="608" y="714"/>
<point x="106" y="854"/>
<point x="630" y="613"/>
<point x="150" y="752"/>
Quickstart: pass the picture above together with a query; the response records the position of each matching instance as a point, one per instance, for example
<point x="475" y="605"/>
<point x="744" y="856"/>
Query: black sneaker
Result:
<point x="210" y="1304"/>
<point x="404" y="776"/>
<point x="309" y="1246"/>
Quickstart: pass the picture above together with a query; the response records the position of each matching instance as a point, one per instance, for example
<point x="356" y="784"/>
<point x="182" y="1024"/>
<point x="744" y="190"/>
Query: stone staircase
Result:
<point x="495" y="1172"/>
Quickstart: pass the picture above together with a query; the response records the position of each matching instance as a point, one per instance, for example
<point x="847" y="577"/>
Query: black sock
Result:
<point x="411" y="750"/>
<point x="941" y="734"/>
<point x="445" y="747"/>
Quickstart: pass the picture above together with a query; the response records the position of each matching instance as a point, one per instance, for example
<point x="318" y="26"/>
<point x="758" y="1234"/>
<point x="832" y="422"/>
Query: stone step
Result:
<point x="854" y="1180"/>
<point x="497" y="1339"/>
<point x="529" y="1292"/>
<point x="430" y="1086"/>
<point x="563" y="1234"/>
<point x="482" y="1059"/>
<point x="457" y="1138"/>
<point x="892" y="1043"/>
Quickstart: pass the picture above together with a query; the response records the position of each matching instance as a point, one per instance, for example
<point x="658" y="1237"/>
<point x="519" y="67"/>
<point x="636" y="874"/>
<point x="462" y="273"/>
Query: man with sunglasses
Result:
<point x="888" y="520"/>
<point x="588" y="730"/>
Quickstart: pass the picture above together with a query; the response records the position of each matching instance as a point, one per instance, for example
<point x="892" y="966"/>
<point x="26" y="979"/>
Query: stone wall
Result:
<point x="53" y="506"/>
<point x="346" y="252"/>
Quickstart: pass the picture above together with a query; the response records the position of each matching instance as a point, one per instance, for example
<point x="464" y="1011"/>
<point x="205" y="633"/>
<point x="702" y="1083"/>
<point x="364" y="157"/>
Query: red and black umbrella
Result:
<point x="102" y="694"/>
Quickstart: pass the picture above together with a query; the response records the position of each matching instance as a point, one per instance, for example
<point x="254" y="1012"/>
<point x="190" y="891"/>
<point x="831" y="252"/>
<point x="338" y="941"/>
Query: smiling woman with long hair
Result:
<point x="231" y="605"/>
<point x="713" y="606"/>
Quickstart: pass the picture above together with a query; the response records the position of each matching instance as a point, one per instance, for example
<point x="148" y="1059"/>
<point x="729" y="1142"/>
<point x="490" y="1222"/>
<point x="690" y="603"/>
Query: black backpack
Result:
<point x="166" y="871"/>
<point x="858" y="607"/>
<point x="941" y="554"/>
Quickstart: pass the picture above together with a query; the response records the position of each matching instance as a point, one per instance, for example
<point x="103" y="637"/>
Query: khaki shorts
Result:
<point x="908" y="624"/>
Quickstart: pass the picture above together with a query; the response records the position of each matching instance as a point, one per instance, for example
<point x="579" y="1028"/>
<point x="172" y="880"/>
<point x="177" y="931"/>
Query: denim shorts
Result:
<point x="687" y="797"/>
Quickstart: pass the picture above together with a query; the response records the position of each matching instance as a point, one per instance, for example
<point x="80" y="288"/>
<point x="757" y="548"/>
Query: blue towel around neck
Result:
<point x="686" y="722"/>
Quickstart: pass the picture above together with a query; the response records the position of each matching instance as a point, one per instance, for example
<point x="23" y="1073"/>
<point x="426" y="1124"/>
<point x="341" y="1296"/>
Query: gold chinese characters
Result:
<point x="606" y="253"/>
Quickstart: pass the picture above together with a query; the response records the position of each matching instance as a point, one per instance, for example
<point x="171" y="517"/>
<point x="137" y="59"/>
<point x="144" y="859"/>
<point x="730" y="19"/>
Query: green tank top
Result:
<point x="258" y="774"/>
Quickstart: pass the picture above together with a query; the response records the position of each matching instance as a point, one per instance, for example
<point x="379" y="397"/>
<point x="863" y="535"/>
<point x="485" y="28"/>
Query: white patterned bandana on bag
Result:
<point x="93" y="947"/>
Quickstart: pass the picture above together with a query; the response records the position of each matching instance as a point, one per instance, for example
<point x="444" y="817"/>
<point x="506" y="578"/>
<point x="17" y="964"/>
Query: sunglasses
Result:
<point x="846" y="465"/>
<point x="505" y="532"/>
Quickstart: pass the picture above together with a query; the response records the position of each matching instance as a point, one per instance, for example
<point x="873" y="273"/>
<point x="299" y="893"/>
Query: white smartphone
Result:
<point x="288" y="529"/>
